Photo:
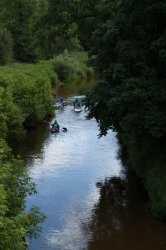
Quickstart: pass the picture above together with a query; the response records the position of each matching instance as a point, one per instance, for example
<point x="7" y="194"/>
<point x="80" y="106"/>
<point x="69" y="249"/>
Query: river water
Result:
<point x="89" y="200"/>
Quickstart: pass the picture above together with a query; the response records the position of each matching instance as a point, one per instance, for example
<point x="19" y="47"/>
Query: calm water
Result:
<point x="88" y="200"/>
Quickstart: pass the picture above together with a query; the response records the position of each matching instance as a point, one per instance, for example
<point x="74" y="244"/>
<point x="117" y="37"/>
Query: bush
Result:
<point x="89" y="72"/>
<point x="15" y="185"/>
<point x="63" y="67"/>
<point x="25" y="96"/>
<point x="72" y="66"/>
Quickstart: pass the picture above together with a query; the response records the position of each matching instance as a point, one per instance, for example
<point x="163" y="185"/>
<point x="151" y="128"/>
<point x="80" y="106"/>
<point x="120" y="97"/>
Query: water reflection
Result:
<point x="118" y="220"/>
<point x="82" y="215"/>
<point x="66" y="174"/>
<point x="75" y="88"/>
<point x="32" y="145"/>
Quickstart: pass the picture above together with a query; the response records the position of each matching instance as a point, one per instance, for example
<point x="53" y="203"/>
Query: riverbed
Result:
<point x="83" y="189"/>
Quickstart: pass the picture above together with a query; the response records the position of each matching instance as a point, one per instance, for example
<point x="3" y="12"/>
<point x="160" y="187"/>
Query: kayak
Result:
<point x="59" y="105"/>
<point x="78" y="109"/>
<point x="54" y="130"/>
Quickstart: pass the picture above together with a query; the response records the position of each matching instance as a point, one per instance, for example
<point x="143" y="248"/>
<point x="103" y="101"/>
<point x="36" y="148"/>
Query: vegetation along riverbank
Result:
<point x="25" y="101"/>
<point x="129" y="53"/>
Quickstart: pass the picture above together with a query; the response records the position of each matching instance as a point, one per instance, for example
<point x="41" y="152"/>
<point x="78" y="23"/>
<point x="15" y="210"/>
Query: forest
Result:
<point x="41" y="44"/>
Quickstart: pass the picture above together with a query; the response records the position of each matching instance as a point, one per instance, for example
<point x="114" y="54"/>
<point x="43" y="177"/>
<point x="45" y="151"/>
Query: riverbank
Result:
<point x="146" y="157"/>
<point x="89" y="200"/>
<point x="25" y="96"/>
<point x="26" y="89"/>
<point x="25" y="101"/>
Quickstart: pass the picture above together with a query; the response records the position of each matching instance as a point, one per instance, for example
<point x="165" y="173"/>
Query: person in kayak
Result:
<point x="55" y="124"/>
<point x="76" y="103"/>
<point x="61" y="100"/>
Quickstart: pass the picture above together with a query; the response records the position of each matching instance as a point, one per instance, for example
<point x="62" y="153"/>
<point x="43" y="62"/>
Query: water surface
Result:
<point x="89" y="202"/>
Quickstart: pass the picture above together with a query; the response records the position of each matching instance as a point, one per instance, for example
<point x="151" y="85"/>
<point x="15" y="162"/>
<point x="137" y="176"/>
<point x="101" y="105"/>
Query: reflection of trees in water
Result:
<point x="106" y="215"/>
<point x="118" y="220"/>
<point x="32" y="144"/>
<point x="75" y="88"/>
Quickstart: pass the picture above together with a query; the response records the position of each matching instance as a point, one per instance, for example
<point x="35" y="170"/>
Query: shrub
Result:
<point x="72" y="66"/>
<point x="25" y="96"/>
<point x="15" y="224"/>
<point x="63" y="68"/>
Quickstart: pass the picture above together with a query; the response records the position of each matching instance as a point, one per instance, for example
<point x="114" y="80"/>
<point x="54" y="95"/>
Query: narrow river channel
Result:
<point x="84" y="191"/>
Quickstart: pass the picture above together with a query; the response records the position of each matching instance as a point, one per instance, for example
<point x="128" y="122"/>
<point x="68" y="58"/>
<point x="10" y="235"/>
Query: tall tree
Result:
<point x="25" y="47"/>
<point x="87" y="14"/>
<point x="6" y="46"/>
<point x="20" y="17"/>
<point x="130" y="55"/>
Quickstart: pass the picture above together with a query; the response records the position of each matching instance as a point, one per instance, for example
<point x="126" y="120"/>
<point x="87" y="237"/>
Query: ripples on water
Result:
<point x="84" y="209"/>
<point x="65" y="173"/>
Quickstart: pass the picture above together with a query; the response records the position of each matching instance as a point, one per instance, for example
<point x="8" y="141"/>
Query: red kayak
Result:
<point x="53" y="130"/>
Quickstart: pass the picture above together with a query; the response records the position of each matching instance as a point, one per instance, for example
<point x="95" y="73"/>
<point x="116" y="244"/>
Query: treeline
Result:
<point x="129" y="53"/>
<point x="29" y="32"/>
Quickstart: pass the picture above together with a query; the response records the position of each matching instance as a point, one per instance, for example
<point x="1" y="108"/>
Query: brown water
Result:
<point x="89" y="201"/>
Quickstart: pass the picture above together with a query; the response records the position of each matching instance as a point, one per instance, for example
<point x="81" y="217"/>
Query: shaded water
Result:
<point x="85" y="207"/>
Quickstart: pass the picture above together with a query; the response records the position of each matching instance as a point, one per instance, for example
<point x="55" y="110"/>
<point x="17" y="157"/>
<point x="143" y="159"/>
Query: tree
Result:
<point x="6" y="46"/>
<point x="86" y="15"/>
<point x="19" y="17"/>
<point x="130" y="55"/>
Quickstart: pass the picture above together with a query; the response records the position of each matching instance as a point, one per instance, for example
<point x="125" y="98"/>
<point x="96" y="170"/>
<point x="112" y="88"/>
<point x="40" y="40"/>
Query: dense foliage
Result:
<point x="126" y="40"/>
<point x="25" y="99"/>
<point x="15" y="185"/>
<point x="35" y="29"/>
<point x="19" y="18"/>
<point x="72" y="67"/>
<point x="130" y="54"/>
<point x="25" y="96"/>
<point x="6" y="46"/>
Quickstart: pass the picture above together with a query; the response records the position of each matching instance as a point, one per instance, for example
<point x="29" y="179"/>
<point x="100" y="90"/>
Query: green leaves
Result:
<point x="19" y="18"/>
<point x="129" y="53"/>
<point x="128" y="58"/>
<point x="6" y="46"/>
<point x="72" y="66"/>
<point x="25" y="96"/>
<point x="15" y="224"/>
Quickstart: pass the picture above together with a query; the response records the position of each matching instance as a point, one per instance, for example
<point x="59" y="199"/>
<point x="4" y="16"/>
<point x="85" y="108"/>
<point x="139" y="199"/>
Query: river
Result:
<point x="89" y="200"/>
